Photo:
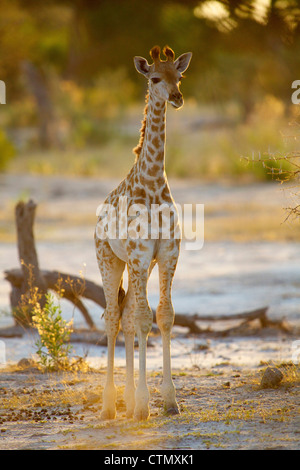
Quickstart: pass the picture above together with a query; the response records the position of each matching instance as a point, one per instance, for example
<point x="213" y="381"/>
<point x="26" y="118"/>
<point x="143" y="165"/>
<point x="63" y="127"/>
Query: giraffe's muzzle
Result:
<point x="176" y="99"/>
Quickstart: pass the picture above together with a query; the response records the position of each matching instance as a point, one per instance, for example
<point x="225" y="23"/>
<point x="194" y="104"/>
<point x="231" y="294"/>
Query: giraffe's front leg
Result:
<point x="129" y="335"/>
<point x="143" y="319"/>
<point x="143" y="324"/>
<point x="110" y="391"/>
<point x="167" y="260"/>
<point x="112" y="326"/>
<point x="111" y="269"/>
<point x="167" y="388"/>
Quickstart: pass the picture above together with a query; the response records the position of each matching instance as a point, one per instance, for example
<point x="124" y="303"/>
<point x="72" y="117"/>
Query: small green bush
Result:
<point x="53" y="346"/>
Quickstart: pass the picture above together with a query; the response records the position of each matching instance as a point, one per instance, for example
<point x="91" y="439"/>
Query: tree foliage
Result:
<point x="242" y="50"/>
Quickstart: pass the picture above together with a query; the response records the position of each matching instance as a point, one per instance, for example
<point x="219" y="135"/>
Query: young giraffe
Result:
<point x="145" y="184"/>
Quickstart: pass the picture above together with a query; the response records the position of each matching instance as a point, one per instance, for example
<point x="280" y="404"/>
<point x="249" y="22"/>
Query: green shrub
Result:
<point x="52" y="346"/>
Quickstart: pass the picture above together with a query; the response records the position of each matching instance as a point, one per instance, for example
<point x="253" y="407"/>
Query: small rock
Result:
<point x="202" y="346"/>
<point x="272" y="377"/>
<point x="25" y="362"/>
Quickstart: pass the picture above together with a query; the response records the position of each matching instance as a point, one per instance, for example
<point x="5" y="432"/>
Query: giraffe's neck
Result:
<point x="151" y="160"/>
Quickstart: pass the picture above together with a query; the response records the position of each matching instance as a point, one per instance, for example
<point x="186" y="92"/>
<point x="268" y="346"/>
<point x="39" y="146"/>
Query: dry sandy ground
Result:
<point x="250" y="259"/>
<point x="221" y="410"/>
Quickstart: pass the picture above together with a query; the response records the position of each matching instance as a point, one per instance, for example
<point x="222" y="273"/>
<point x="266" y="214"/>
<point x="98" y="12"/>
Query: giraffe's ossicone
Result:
<point x="138" y="227"/>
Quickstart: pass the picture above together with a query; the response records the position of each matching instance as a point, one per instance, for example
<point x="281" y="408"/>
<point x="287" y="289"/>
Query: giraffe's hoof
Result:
<point x="108" y="414"/>
<point x="172" y="411"/>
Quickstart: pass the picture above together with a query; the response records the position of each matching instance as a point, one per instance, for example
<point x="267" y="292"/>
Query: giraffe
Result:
<point x="145" y="185"/>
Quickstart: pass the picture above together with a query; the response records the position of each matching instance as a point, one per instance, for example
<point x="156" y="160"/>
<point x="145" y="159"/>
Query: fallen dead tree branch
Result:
<point x="73" y="288"/>
<point x="68" y="286"/>
<point x="260" y="315"/>
<point x="190" y="321"/>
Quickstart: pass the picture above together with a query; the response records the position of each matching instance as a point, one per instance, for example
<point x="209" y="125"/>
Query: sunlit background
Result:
<point x="74" y="99"/>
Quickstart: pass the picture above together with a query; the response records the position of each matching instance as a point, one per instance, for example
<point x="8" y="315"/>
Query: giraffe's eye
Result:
<point x="155" y="80"/>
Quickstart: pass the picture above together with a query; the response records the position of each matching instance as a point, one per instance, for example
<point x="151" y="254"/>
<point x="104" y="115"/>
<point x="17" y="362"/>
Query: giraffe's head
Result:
<point x="164" y="75"/>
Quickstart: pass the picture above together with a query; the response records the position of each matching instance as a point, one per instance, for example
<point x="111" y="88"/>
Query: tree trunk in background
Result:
<point x="32" y="277"/>
<point x="38" y="87"/>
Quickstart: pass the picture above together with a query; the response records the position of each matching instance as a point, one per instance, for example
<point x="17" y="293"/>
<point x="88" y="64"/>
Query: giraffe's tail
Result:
<point x="121" y="294"/>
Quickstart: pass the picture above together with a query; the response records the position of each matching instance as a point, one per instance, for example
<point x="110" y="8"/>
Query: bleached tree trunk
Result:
<point x="32" y="277"/>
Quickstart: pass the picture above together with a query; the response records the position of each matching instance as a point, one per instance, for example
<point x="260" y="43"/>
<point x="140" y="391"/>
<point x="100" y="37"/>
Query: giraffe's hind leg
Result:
<point x="111" y="269"/>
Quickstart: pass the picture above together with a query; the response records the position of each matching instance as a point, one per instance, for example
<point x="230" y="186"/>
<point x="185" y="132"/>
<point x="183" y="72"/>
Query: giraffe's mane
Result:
<point x="137" y="150"/>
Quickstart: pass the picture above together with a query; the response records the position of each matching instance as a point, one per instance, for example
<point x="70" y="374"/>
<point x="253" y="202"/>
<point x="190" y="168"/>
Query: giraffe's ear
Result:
<point x="183" y="62"/>
<point x="141" y="65"/>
